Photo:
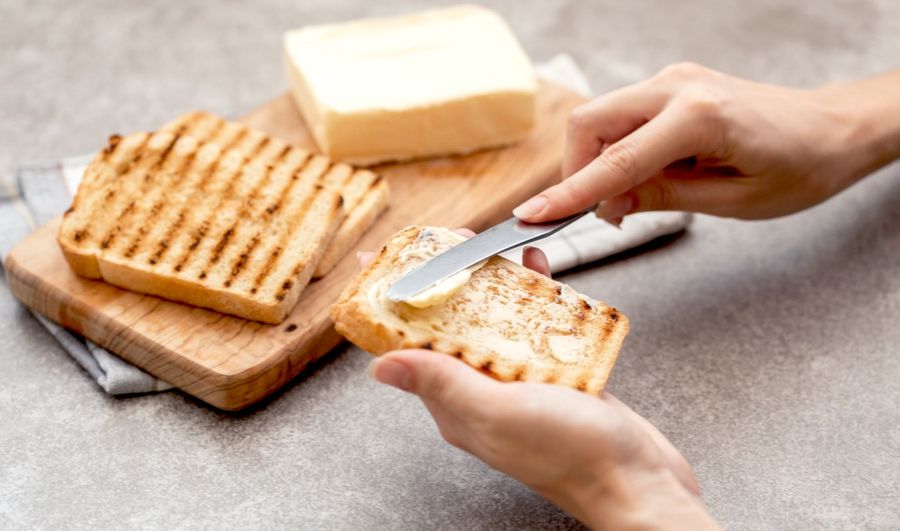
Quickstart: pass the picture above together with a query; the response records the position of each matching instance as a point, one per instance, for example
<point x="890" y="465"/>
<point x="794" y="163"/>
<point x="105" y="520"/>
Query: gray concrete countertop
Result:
<point x="769" y="352"/>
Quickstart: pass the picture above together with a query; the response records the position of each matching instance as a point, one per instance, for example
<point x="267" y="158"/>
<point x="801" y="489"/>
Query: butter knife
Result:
<point x="507" y="235"/>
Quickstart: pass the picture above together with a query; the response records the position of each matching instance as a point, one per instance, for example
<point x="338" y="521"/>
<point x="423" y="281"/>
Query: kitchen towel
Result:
<point x="37" y="194"/>
<point x="40" y="192"/>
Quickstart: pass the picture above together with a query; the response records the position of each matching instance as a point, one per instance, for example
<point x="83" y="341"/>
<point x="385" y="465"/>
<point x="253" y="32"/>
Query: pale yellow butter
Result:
<point x="446" y="81"/>
<point x="443" y="290"/>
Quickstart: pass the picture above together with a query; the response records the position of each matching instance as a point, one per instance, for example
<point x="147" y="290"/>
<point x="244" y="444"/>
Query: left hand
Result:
<point x="594" y="457"/>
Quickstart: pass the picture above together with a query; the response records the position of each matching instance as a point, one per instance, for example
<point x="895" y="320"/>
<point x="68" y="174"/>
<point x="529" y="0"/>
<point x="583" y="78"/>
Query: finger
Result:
<point x="668" y="137"/>
<point x="615" y="208"/>
<point x="364" y="258"/>
<point x="607" y="119"/>
<point x="468" y="233"/>
<point x="535" y="259"/>
<point x="721" y="196"/>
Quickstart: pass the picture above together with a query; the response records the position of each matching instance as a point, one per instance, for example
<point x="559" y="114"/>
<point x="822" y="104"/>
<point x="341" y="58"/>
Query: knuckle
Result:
<point x="705" y="104"/>
<point x="683" y="71"/>
<point x="666" y="196"/>
<point x="579" y="119"/>
<point x="620" y="157"/>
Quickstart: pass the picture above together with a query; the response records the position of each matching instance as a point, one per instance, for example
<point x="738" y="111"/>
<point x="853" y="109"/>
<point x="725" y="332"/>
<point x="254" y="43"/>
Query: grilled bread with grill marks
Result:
<point x="507" y="321"/>
<point x="365" y="193"/>
<point x="229" y="219"/>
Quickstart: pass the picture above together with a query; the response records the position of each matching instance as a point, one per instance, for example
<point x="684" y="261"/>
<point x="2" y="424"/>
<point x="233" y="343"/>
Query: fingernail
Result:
<point x="391" y="373"/>
<point x="358" y="255"/>
<point x="530" y="208"/>
<point x="615" y="208"/>
<point x="616" y="222"/>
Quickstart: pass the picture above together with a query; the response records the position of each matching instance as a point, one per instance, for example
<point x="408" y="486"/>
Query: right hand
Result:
<point x="698" y="140"/>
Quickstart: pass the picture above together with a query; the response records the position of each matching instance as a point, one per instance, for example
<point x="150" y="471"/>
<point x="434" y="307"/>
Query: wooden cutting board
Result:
<point x="230" y="362"/>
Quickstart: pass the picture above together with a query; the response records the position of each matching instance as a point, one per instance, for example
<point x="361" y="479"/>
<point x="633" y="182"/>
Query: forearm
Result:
<point x="871" y="111"/>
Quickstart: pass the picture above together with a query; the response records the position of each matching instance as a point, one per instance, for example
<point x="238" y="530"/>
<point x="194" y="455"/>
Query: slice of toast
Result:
<point x="365" y="193"/>
<point x="507" y="321"/>
<point x="229" y="219"/>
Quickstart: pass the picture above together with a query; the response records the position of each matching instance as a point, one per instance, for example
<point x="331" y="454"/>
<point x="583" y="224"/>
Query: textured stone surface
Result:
<point x="769" y="352"/>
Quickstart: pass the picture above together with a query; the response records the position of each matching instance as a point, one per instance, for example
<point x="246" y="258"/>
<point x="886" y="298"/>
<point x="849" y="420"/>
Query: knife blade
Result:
<point x="495" y="240"/>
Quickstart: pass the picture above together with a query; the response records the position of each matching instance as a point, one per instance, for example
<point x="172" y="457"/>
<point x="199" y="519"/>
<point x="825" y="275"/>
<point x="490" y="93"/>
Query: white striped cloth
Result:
<point x="40" y="192"/>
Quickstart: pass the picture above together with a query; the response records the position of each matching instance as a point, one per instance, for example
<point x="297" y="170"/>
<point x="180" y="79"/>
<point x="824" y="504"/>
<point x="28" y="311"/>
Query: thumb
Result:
<point x="436" y="378"/>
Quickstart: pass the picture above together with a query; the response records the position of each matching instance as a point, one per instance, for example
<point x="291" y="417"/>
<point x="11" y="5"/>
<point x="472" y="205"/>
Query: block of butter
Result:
<point x="447" y="81"/>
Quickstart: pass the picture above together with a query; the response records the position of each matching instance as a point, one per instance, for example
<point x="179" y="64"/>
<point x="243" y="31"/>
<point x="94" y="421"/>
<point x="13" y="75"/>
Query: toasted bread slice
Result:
<point x="365" y="193"/>
<point x="365" y="196"/>
<point x="507" y="321"/>
<point x="229" y="219"/>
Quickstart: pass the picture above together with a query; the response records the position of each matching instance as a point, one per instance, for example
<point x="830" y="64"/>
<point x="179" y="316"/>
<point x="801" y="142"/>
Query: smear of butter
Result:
<point x="443" y="290"/>
<point x="567" y="349"/>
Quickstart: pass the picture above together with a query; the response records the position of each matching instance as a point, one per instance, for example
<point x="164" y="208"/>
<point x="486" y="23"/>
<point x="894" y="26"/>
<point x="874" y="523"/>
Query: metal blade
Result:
<point x="503" y="237"/>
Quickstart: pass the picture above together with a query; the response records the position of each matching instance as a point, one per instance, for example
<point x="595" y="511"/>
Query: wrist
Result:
<point x="625" y="499"/>
<point x="867" y="122"/>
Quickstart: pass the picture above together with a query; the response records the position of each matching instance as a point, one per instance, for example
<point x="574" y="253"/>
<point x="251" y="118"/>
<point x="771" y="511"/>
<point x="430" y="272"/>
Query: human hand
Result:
<point x="694" y="139"/>
<point x="594" y="457"/>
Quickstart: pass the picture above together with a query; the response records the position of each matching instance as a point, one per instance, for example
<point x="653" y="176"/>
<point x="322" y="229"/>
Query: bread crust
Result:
<point x="602" y="329"/>
<point x="359" y="219"/>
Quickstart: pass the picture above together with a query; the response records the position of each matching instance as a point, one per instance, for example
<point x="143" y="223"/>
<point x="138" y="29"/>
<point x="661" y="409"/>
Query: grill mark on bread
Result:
<point x="609" y="328"/>
<point x="184" y="167"/>
<point x="172" y="232"/>
<point x="245" y="211"/>
<point x="271" y="209"/>
<point x="258" y="148"/>
<point x="116" y="228"/>
<point x="217" y="252"/>
<point x="85" y="230"/>
<point x="281" y="244"/>
<point x="142" y="231"/>
<point x="164" y="155"/>
<point x="189" y="122"/>
<point x="114" y="142"/>
<point x="199" y="233"/>
<point x="206" y="223"/>
<point x="237" y="268"/>
<point x="239" y="264"/>
<point x="298" y="268"/>
<point x="112" y="234"/>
